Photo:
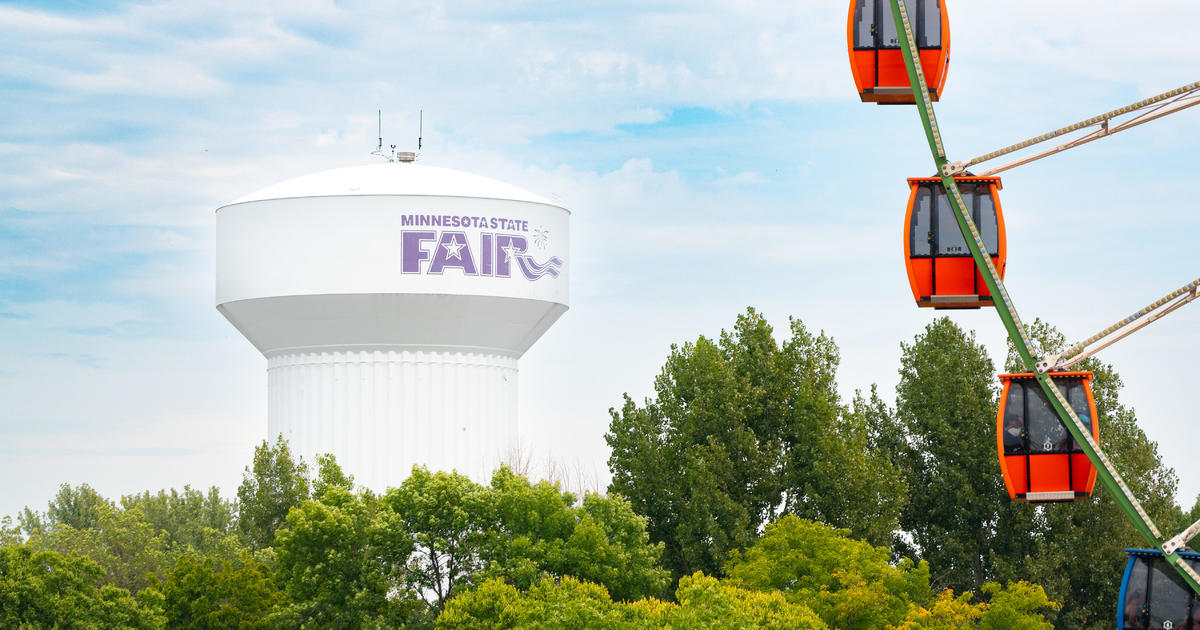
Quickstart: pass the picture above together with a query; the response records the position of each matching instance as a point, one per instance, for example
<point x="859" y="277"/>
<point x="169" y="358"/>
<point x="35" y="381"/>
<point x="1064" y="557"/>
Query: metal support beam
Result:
<point x="1104" y="131"/>
<point x="1167" y="103"/>
<point x="1065" y="360"/>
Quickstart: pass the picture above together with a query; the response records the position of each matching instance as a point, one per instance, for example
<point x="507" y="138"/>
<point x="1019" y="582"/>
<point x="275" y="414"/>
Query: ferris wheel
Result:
<point x="1047" y="430"/>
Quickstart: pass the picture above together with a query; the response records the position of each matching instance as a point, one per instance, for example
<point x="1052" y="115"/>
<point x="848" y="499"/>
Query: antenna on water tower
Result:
<point x="401" y="156"/>
<point x="391" y="157"/>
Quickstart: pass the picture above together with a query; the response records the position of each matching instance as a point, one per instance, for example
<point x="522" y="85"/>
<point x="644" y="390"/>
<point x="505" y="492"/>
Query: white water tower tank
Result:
<point x="392" y="302"/>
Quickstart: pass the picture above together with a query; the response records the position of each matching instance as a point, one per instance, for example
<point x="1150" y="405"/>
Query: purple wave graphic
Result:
<point x="532" y="270"/>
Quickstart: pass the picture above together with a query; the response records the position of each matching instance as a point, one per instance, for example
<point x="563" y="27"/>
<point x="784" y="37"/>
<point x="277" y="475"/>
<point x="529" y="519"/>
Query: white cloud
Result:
<point x="124" y="130"/>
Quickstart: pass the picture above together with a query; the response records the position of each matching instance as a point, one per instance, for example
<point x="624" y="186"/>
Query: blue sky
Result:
<point x="721" y="142"/>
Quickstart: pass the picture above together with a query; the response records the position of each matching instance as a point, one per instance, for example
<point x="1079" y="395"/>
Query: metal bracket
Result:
<point x="1045" y="364"/>
<point x="1180" y="541"/>
<point x="950" y="169"/>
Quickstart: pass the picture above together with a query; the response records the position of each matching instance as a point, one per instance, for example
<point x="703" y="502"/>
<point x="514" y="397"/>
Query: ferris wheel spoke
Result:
<point x="1166" y="103"/>
<point x="1135" y="322"/>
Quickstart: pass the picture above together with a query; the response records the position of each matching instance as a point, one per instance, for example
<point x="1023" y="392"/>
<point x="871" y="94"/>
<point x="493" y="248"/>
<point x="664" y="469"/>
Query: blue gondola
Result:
<point x="1154" y="597"/>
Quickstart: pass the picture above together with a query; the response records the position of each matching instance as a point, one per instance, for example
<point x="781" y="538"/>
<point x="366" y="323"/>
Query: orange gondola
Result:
<point x="875" y="57"/>
<point x="941" y="271"/>
<point x="1040" y="460"/>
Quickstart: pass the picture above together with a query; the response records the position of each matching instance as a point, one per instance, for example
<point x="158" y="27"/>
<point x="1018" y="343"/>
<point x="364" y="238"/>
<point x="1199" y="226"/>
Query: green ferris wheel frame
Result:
<point x="1109" y="477"/>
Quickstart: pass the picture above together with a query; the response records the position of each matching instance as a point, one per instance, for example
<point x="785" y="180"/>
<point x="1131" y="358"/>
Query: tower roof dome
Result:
<point x="394" y="178"/>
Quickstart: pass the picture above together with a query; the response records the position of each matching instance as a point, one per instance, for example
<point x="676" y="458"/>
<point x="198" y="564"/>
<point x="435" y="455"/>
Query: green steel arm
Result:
<point x="1111" y="480"/>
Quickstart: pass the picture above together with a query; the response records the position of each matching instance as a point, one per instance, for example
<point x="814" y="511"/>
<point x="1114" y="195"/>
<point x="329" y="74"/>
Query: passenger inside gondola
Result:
<point x="1039" y="458"/>
<point x="1133" y="610"/>
<point x="1155" y="596"/>
<point x="1014" y="430"/>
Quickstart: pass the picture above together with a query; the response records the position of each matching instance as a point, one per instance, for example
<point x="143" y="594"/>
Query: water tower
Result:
<point x="392" y="303"/>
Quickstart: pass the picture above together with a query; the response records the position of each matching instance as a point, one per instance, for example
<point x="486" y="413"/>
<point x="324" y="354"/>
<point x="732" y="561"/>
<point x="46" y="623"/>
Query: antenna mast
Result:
<point x="379" y="148"/>
<point x="393" y="156"/>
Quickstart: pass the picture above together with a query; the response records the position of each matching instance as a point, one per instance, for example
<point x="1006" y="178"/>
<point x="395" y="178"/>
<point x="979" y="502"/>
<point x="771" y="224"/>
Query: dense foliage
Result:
<point x="745" y="494"/>
<point x="945" y="417"/>
<point x="740" y="430"/>
<point x="44" y="589"/>
<point x="799" y="575"/>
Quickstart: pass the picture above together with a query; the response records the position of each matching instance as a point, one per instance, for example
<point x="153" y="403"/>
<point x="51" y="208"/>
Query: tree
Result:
<point x="849" y="583"/>
<point x="271" y="485"/>
<point x="342" y="560"/>
<point x="76" y="507"/>
<point x="71" y="507"/>
<point x="201" y="593"/>
<point x="567" y="604"/>
<point x="1018" y="606"/>
<point x="44" y="589"/>
<point x="852" y="585"/>
<point x="189" y="518"/>
<point x="799" y="574"/>
<point x="330" y="475"/>
<point x="447" y="516"/>
<point x="705" y="603"/>
<point x="10" y="532"/>
<point x="464" y="533"/>
<point x="962" y="517"/>
<point x="121" y="542"/>
<point x="536" y="531"/>
<point x="740" y="430"/>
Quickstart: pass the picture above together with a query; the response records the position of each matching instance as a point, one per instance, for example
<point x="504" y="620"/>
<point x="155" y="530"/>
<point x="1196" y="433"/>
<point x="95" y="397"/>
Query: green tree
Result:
<point x="740" y="430"/>
<point x="203" y="594"/>
<point x="121" y="542"/>
<point x="567" y="604"/>
<point x="853" y="585"/>
<point x="330" y="475"/>
<point x="76" y="507"/>
<point x="447" y="516"/>
<point x="342" y="561"/>
<point x="189" y="518"/>
<point x="849" y="583"/>
<point x="44" y="589"/>
<point x="10" y="532"/>
<point x="705" y="603"/>
<point x="800" y="574"/>
<point x="962" y="519"/>
<point x="1019" y="606"/>
<point x="271" y="485"/>
<point x="464" y="532"/>
<point x="536" y="530"/>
